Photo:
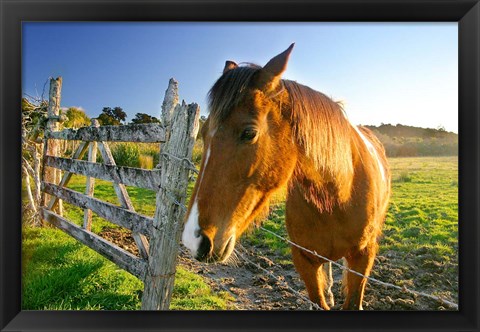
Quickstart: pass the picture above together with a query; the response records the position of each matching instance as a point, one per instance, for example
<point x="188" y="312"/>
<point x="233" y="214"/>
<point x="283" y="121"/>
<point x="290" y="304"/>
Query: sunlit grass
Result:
<point x="424" y="211"/>
<point x="60" y="273"/>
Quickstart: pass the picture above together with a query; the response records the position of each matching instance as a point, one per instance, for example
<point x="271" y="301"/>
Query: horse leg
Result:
<point x="312" y="275"/>
<point x="327" y="269"/>
<point x="361" y="262"/>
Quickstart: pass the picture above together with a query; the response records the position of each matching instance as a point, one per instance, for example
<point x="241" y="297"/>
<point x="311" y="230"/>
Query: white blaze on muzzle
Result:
<point x="191" y="234"/>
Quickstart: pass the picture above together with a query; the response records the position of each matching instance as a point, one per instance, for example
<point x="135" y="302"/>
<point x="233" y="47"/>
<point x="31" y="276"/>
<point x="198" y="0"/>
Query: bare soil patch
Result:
<point x="254" y="289"/>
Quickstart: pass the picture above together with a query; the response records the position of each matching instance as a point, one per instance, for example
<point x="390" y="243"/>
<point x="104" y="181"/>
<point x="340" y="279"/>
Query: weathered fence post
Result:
<point x="26" y="176"/>
<point x="90" y="186"/>
<point x="169" y="103"/>
<point x="170" y="211"/>
<point x="50" y="148"/>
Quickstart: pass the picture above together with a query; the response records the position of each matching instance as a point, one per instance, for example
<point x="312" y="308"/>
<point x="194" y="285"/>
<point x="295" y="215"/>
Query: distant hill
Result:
<point x="408" y="141"/>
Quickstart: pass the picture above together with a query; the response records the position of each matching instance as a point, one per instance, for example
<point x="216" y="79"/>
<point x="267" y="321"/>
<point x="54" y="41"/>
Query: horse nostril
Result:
<point x="197" y="233"/>
<point x="204" y="248"/>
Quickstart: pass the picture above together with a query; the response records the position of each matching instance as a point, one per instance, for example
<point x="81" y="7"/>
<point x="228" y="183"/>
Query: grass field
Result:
<point x="424" y="206"/>
<point x="420" y="239"/>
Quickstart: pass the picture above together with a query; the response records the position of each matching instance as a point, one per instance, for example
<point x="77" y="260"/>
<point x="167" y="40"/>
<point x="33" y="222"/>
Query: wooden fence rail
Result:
<point x="115" y="214"/>
<point x="157" y="238"/>
<point x="140" y="133"/>
<point x="130" y="176"/>
<point x="122" y="258"/>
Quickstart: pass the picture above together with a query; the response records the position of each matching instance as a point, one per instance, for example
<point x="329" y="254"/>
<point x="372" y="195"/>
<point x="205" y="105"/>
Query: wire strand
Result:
<point x="385" y="284"/>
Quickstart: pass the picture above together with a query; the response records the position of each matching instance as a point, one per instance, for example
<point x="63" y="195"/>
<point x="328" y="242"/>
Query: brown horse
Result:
<point x="264" y="133"/>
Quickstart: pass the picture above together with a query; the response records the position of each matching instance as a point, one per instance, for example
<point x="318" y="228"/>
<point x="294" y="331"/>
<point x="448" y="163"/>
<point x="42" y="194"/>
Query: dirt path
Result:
<point x="254" y="288"/>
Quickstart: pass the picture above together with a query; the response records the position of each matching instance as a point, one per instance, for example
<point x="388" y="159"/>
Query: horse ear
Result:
<point x="273" y="70"/>
<point x="229" y="65"/>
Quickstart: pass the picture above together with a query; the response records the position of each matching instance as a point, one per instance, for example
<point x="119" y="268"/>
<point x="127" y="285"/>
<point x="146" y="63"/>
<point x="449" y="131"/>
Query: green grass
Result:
<point x="60" y="273"/>
<point x="424" y="210"/>
<point x="143" y="201"/>
<point x="192" y="293"/>
<point x="261" y="239"/>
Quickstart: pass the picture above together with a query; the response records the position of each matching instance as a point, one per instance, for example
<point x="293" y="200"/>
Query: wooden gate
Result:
<point x="157" y="238"/>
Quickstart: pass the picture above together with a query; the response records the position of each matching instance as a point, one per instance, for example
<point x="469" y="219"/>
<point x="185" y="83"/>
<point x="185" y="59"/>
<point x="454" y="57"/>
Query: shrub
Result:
<point x="152" y="150"/>
<point x="146" y="161"/>
<point x="126" y="154"/>
<point x="197" y="152"/>
<point x="404" y="177"/>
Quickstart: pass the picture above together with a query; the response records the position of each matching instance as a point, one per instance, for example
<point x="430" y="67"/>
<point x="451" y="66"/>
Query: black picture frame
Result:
<point x="465" y="12"/>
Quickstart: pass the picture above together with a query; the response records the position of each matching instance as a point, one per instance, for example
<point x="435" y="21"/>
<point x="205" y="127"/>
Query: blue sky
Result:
<point x="384" y="72"/>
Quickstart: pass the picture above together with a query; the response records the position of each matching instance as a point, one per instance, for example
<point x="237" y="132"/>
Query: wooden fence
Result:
<point x="157" y="238"/>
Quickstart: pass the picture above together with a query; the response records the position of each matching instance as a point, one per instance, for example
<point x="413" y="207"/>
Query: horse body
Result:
<point x="264" y="133"/>
<point x="349" y="228"/>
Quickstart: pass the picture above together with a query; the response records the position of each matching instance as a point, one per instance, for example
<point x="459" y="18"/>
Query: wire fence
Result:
<point x="385" y="284"/>
<point x="189" y="165"/>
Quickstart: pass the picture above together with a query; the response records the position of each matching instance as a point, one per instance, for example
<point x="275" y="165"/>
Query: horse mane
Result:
<point x="322" y="129"/>
<point x="319" y="124"/>
<point x="228" y="90"/>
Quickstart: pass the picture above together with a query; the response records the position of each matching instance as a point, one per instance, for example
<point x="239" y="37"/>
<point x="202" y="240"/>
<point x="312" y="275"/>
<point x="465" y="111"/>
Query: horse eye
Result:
<point x="248" y="135"/>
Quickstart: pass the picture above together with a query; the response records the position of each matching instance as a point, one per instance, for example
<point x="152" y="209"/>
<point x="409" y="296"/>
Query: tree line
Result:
<point x="108" y="117"/>
<point x="409" y="141"/>
<point x="398" y="140"/>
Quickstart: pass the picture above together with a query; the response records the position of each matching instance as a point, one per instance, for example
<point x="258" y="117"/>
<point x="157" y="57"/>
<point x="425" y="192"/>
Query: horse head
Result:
<point x="248" y="154"/>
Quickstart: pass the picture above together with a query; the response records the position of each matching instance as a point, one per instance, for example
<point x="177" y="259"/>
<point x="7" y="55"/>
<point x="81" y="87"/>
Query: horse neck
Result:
<point x="322" y="186"/>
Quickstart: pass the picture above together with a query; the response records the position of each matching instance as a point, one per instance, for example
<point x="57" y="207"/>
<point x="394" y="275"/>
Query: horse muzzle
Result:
<point x="206" y="250"/>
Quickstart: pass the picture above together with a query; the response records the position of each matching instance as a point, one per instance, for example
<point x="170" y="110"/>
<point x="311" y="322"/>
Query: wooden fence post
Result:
<point x="50" y="148"/>
<point x="169" y="103"/>
<point x="90" y="186"/>
<point x="170" y="211"/>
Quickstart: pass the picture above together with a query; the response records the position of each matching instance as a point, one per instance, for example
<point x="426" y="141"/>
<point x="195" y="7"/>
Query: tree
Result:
<point x="119" y="114"/>
<point x="144" y="118"/>
<point x="76" y="118"/>
<point x="34" y="118"/>
<point x="109" y="116"/>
